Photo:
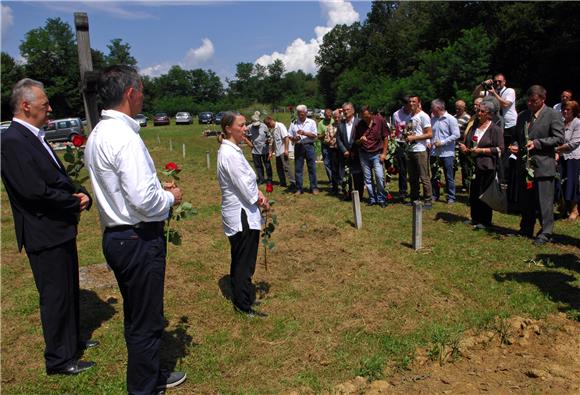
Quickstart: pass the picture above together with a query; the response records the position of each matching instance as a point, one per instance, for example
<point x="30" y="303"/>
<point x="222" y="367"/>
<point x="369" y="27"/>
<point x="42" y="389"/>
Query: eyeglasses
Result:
<point x="497" y="81"/>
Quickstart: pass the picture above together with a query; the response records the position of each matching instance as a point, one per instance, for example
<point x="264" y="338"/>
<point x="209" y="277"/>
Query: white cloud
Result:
<point x="300" y="54"/>
<point x="156" y="70"/>
<point x="7" y="19"/>
<point x="193" y="58"/>
<point x="196" y="56"/>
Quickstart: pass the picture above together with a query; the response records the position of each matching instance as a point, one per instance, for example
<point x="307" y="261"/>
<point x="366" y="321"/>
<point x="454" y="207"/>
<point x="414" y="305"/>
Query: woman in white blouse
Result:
<point x="241" y="217"/>
<point x="569" y="153"/>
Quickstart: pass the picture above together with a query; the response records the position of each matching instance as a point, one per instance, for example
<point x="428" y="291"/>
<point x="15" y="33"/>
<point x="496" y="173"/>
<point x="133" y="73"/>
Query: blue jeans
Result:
<point x="372" y="161"/>
<point x="449" y="172"/>
<point x="302" y="152"/>
<point x="327" y="159"/>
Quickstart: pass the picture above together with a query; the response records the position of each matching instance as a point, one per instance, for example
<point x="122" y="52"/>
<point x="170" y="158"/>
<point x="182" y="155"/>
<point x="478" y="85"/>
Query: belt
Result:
<point x="138" y="226"/>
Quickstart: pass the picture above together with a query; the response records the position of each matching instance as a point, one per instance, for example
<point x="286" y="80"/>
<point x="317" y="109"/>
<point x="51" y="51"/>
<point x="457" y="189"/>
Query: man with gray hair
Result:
<point x="304" y="133"/>
<point x="133" y="206"/>
<point x="445" y="133"/>
<point x="46" y="205"/>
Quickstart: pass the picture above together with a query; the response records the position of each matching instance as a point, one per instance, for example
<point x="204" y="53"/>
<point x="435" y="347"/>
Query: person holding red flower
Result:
<point x="484" y="143"/>
<point x="241" y="217"/>
<point x="133" y="206"/>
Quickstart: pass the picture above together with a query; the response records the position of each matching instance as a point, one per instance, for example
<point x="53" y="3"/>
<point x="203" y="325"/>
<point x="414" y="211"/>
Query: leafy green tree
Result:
<point x="12" y="72"/>
<point x="120" y="53"/>
<point x="51" y="57"/>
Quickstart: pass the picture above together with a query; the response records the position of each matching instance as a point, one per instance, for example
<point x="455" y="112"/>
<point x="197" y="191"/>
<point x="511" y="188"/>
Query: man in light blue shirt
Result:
<point x="445" y="132"/>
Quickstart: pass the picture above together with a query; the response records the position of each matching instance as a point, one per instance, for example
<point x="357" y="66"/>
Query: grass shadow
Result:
<point x="558" y="286"/>
<point x="566" y="261"/>
<point x="225" y="285"/>
<point x="176" y="344"/>
<point x="95" y="312"/>
<point x="567" y="240"/>
<point x="450" y="218"/>
<point x="259" y="289"/>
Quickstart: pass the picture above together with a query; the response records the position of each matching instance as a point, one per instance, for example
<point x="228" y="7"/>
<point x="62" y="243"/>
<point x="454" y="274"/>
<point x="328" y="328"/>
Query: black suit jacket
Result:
<point x="41" y="194"/>
<point x="344" y="144"/>
<point x="547" y="132"/>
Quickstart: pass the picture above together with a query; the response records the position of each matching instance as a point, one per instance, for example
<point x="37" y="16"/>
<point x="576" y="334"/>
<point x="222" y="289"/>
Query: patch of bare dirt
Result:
<point x="96" y="276"/>
<point x="520" y="356"/>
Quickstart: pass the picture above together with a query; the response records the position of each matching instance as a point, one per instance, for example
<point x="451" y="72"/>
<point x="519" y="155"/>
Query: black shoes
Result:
<point x="170" y="380"/>
<point x="541" y="240"/>
<point x="250" y="313"/>
<point x="89" y="344"/>
<point x="75" y="367"/>
<point x="383" y="204"/>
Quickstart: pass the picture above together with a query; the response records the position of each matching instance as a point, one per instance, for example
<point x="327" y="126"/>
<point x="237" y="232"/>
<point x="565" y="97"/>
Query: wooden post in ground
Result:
<point x="170" y="145"/>
<point x="158" y="140"/>
<point x="183" y="150"/>
<point x="356" y="210"/>
<point x="417" y="225"/>
<point x="89" y="77"/>
<point x="207" y="159"/>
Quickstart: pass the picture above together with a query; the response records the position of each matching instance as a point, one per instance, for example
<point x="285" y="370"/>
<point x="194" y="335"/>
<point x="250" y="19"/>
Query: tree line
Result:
<point x="433" y="49"/>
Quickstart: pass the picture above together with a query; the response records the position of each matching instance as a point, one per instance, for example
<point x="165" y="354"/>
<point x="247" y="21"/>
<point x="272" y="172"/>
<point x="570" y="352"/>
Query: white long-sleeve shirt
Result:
<point x="123" y="175"/>
<point x="239" y="189"/>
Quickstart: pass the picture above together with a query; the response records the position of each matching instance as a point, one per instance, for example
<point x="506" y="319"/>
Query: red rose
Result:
<point x="474" y="138"/>
<point x="269" y="187"/>
<point x="389" y="197"/>
<point x="172" y="166"/>
<point x="529" y="185"/>
<point x="78" y="140"/>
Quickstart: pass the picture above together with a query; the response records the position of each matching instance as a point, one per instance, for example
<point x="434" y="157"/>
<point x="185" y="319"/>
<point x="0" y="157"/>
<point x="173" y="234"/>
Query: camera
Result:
<point x="487" y="85"/>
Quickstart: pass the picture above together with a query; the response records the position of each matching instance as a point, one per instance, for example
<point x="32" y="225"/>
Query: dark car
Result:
<point x="205" y="117"/>
<point x="218" y="118"/>
<point x="142" y="119"/>
<point x="63" y="129"/>
<point x="161" y="118"/>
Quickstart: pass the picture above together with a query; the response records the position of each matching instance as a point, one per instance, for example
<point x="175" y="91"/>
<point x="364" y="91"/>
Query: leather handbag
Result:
<point x="495" y="196"/>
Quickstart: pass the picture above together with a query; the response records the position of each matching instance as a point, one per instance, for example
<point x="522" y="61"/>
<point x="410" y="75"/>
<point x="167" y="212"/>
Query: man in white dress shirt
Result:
<point x="304" y="133"/>
<point x="133" y="206"/>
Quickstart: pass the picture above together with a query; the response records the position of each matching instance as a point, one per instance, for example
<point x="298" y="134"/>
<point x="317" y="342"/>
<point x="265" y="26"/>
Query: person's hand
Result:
<point x="438" y="144"/>
<point x="462" y="148"/>
<point x="177" y="195"/>
<point x="382" y="158"/>
<point x="363" y="139"/>
<point x="263" y="201"/>
<point x="530" y="145"/>
<point x="286" y="155"/>
<point x="169" y="185"/>
<point x="84" y="200"/>
<point x="269" y="156"/>
<point x="557" y="157"/>
<point x="514" y="149"/>
<point x="346" y="154"/>
<point x="408" y="138"/>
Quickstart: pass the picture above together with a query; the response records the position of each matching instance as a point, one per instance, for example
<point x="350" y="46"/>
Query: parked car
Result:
<point x="63" y="129"/>
<point x="183" y="118"/>
<point x="4" y="125"/>
<point x="205" y="117"/>
<point x="142" y="119"/>
<point x="161" y="118"/>
<point x="218" y="118"/>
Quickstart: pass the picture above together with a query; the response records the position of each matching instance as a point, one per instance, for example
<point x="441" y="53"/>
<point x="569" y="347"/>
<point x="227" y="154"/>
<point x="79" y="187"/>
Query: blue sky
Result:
<point x="194" y="34"/>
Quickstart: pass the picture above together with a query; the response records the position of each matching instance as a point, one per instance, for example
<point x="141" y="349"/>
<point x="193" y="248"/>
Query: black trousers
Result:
<point x="137" y="257"/>
<point x="261" y="162"/>
<point x="402" y="167"/>
<point x="56" y="275"/>
<point x="481" y="213"/>
<point x="244" y="251"/>
<point x="538" y="203"/>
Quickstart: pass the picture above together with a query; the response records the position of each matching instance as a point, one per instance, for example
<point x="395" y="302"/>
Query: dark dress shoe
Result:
<point x="250" y="313"/>
<point x="541" y="240"/>
<point x="89" y="344"/>
<point x="383" y="204"/>
<point x="72" y="368"/>
<point x="170" y="380"/>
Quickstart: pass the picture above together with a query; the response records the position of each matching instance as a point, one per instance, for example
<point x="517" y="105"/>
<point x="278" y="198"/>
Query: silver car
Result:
<point x="142" y="119"/>
<point x="183" y="118"/>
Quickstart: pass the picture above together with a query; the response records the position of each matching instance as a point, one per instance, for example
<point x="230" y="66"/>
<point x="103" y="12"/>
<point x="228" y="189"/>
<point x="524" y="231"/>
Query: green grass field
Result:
<point x="341" y="302"/>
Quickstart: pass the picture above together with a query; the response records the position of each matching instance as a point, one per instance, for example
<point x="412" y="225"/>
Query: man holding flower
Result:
<point x="133" y="206"/>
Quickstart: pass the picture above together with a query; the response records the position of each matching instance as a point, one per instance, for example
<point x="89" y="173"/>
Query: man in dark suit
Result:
<point x="46" y="206"/>
<point x="348" y="155"/>
<point x="539" y="130"/>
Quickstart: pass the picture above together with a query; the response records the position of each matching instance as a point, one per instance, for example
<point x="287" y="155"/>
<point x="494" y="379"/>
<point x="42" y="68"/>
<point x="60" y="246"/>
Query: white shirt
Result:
<point x="420" y="121"/>
<point x="239" y="189"/>
<point x="308" y="126"/>
<point x="349" y="126"/>
<point x="400" y="119"/>
<point x="280" y="132"/>
<point x="510" y="115"/>
<point x="39" y="133"/>
<point x="123" y="175"/>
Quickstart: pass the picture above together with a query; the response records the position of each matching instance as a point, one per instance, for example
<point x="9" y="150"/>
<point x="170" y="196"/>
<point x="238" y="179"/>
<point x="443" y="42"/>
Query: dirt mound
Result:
<point x="519" y="356"/>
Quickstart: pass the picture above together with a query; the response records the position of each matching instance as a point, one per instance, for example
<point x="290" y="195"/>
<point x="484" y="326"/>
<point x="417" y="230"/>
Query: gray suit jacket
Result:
<point x="547" y="132"/>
